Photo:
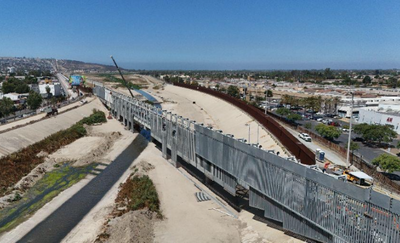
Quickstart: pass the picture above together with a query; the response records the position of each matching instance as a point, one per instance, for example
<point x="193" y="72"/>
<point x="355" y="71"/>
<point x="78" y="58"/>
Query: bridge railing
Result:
<point x="305" y="201"/>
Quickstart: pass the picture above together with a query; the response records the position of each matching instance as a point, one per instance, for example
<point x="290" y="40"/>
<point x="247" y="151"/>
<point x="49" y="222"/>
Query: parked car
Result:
<point x="333" y="123"/>
<point x="305" y="137"/>
<point x="358" y="139"/>
<point x="320" y="120"/>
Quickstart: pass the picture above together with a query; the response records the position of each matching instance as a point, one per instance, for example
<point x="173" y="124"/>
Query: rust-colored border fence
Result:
<point x="299" y="150"/>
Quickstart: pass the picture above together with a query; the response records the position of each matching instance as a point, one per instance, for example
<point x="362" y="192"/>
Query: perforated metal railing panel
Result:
<point x="305" y="201"/>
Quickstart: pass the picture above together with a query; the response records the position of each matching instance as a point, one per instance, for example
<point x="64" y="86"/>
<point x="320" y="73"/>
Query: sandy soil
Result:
<point x="18" y="138"/>
<point x="216" y="113"/>
<point x="100" y="135"/>
<point x="83" y="151"/>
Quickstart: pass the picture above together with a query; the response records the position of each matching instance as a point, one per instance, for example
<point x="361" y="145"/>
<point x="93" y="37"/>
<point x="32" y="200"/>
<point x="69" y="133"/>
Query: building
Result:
<point x="55" y="89"/>
<point x="387" y="113"/>
<point x="16" y="98"/>
<point x="11" y="70"/>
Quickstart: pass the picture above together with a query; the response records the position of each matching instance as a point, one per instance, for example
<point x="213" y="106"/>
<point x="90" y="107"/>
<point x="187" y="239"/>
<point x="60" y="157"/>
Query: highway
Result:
<point x="64" y="83"/>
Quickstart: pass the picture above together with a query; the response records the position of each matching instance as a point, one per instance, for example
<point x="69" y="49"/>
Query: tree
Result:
<point x="21" y="88"/>
<point x="217" y="87"/>
<point x="328" y="132"/>
<point x="34" y="100"/>
<point x="8" y="87"/>
<point x="308" y="125"/>
<point x="375" y="133"/>
<point x="387" y="162"/>
<point x="6" y="106"/>
<point x="353" y="146"/>
<point x="48" y="91"/>
<point x="269" y="93"/>
<point x="233" y="91"/>
<point x="283" y="111"/>
<point x="293" y="117"/>
<point x="392" y="82"/>
<point x="367" y="80"/>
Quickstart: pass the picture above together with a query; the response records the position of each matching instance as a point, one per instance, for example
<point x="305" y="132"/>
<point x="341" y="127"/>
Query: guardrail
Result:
<point x="305" y="201"/>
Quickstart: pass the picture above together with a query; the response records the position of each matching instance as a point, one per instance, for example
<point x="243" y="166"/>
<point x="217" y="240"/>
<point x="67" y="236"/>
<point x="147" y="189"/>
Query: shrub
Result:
<point x="96" y="117"/>
<point x="140" y="193"/>
<point x="14" y="166"/>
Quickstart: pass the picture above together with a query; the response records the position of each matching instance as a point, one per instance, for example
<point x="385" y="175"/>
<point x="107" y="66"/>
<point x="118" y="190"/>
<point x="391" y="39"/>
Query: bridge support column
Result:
<point x="164" y="144"/>
<point x="174" y="155"/>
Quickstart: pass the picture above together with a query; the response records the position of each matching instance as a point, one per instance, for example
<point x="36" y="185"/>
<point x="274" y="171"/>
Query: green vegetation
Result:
<point x="375" y="133"/>
<point x="308" y="125"/>
<point x="269" y="93"/>
<point x="18" y="164"/>
<point x="328" y="132"/>
<point x="293" y="117"/>
<point x="112" y="79"/>
<point x="96" y="117"/>
<point x="353" y="146"/>
<point x="367" y="80"/>
<point x="13" y="85"/>
<point x="34" y="100"/>
<point x="42" y="192"/>
<point x="233" y="91"/>
<point x="138" y="193"/>
<point x="288" y="114"/>
<point x="387" y="162"/>
<point x="283" y="111"/>
<point x="6" y="106"/>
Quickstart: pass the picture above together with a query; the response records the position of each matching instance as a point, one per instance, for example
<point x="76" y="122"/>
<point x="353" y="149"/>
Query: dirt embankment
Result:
<point x="81" y="152"/>
<point x="136" y="210"/>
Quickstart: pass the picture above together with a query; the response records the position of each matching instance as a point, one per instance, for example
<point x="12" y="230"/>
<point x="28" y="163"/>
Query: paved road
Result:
<point x="19" y="138"/>
<point x="55" y="227"/>
<point x="368" y="153"/>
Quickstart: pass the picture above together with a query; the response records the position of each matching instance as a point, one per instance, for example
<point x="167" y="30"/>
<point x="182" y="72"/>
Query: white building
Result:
<point x="387" y="113"/>
<point x="55" y="89"/>
<point x="10" y="70"/>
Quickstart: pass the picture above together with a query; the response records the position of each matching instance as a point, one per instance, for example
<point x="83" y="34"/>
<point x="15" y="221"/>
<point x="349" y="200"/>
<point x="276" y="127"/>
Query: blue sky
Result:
<point x="215" y="34"/>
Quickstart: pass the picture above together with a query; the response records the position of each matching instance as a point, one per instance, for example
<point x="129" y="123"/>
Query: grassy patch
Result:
<point x="18" y="164"/>
<point x="41" y="193"/>
<point x="138" y="193"/>
<point x="112" y="79"/>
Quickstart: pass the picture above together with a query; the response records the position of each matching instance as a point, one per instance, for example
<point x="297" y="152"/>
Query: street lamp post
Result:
<point x="258" y="134"/>
<point x="349" y="140"/>
<point x="249" y="131"/>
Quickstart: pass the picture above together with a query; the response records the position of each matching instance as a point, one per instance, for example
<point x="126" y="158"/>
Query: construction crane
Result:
<point x="120" y="73"/>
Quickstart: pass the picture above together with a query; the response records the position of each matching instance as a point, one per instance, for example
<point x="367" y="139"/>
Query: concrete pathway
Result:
<point x="19" y="138"/>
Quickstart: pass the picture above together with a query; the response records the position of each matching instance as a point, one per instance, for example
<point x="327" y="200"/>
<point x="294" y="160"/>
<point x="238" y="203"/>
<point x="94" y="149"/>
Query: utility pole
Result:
<point x="266" y="101"/>
<point x="249" y="131"/>
<point x="351" y="118"/>
<point x="258" y="134"/>
<point x="120" y="73"/>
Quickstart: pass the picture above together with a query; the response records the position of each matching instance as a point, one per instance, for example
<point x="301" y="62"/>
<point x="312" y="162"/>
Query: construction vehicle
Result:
<point x="357" y="177"/>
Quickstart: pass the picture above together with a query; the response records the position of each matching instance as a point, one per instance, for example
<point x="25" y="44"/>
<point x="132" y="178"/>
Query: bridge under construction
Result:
<point x="303" y="200"/>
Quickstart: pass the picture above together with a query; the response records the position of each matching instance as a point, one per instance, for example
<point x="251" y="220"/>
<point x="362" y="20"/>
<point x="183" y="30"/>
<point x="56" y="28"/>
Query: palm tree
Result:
<point x="336" y="102"/>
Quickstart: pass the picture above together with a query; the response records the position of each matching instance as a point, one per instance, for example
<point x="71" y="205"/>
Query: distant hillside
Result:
<point x="22" y="63"/>
<point x="78" y="66"/>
